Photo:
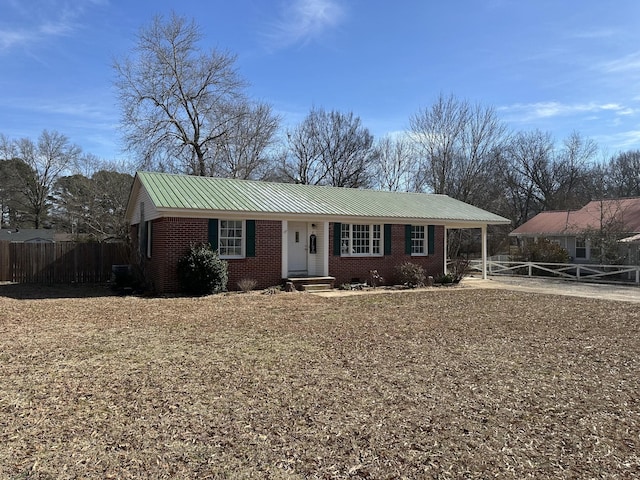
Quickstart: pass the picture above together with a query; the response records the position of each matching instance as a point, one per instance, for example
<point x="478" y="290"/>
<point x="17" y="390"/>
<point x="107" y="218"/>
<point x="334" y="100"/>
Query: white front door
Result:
<point x="297" y="243"/>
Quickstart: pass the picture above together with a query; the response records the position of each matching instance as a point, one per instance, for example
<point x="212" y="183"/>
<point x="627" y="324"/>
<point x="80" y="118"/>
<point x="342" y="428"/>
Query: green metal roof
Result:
<point x="224" y="194"/>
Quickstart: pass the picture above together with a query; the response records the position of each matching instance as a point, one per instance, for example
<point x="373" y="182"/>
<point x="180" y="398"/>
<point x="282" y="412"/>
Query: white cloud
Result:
<point x="542" y="110"/>
<point x="86" y="106"/>
<point x="628" y="63"/>
<point x="303" y="20"/>
<point x="40" y="22"/>
<point x="595" y="34"/>
<point x="621" y="140"/>
<point x="11" y="38"/>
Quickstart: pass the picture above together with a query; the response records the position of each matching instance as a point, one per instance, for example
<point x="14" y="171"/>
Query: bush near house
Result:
<point x="411" y="275"/>
<point x="458" y="269"/>
<point x="544" y="251"/>
<point x="201" y="272"/>
<point x="247" y="284"/>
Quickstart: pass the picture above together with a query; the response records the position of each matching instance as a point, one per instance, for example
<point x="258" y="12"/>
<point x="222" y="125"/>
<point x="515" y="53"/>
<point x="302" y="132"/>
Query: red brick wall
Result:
<point x="172" y="237"/>
<point x="345" y="269"/>
<point x="266" y="266"/>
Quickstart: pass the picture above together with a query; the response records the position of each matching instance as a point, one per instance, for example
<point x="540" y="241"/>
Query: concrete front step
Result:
<point x="317" y="287"/>
<point x="308" y="283"/>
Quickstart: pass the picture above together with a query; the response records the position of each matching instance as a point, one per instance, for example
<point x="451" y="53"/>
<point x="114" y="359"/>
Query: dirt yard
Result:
<point x="441" y="383"/>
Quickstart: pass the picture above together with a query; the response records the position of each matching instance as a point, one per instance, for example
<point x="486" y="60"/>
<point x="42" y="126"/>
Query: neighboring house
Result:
<point x="26" y="235"/>
<point x="575" y="230"/>
<point x="273" y="231"/>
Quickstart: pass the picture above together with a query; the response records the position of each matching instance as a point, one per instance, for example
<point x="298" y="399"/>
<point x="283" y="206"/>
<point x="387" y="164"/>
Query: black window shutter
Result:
<point x="431" y="230"/>
<point x="213" y="233"/>
<point x="387" y="239"/>
<point x="251" y="238"/>
<point x="407" y="239"/>
<point x="337" y="238"/>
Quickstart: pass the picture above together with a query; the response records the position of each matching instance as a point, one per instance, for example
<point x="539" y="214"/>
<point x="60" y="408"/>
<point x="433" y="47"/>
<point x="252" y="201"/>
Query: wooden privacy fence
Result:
<point x="60" y="262"/>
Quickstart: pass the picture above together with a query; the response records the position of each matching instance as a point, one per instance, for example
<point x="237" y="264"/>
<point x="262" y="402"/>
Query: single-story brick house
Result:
<point x="271" y="231"/>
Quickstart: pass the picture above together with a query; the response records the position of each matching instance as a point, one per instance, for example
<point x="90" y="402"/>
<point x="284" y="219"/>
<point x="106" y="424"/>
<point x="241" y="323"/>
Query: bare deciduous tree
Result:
<point x="178" y="104"/>
<point x="244" y="149"/>
<point x="622" y="175"/>
<point x="536" y="176"/>
<point x="459" y="144"/>
<point x="526" y="174"/>
<point x="329" y="148"/>
<point x="47" y="160"/>
<point x="394" y="164"/>
<point x="302" y="163"/>
<point x="604" y="238"/>
<point x="437" y="132"/>
<point x="571" y="171"/>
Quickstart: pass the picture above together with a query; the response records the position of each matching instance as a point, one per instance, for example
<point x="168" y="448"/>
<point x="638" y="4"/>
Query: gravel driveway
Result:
<point x="624" y="293"/>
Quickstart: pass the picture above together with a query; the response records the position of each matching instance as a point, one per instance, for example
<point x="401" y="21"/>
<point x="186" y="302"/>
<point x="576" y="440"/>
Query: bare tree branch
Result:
<point x="177" y="104"/>
<point x="329" y="148"/>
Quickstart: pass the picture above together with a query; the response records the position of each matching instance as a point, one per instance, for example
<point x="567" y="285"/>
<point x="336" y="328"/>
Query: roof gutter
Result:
<point x="449" y="222"/>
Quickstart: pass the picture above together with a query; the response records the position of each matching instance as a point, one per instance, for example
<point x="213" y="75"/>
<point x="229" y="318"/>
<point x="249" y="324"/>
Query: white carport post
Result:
<point x="325" y="249"/>
<point x="445" y="269"/>
<point x="484" y="251"/>
<point x="285" y="249"/>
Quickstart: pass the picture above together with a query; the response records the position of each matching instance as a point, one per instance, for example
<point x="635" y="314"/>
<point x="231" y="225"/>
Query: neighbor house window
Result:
<point x="360" y="239"/>
<point x="230" y="239"/>
<point x="418" y="240"/>
<point x="581" y="248"/>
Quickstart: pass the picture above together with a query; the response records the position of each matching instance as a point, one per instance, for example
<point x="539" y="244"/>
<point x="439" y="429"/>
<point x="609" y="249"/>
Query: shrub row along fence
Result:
<point x="60" y="262"/>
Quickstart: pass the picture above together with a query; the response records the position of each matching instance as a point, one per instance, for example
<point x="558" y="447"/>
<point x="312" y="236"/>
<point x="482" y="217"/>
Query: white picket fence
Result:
<point x="566" y="271"/>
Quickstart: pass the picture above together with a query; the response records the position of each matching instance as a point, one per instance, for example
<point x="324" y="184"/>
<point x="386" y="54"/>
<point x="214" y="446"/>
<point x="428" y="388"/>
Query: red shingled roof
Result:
<point x="573" y="222"/>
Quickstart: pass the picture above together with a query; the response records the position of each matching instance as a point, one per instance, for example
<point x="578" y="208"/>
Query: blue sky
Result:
<point x="556" y="66"/>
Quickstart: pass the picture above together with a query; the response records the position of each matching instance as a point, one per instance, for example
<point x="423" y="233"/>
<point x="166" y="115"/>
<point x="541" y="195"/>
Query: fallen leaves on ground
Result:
<point x="443" y="383"/>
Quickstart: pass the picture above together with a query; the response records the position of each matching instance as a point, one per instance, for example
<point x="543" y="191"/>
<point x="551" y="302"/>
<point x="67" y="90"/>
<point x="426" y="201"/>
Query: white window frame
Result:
<point x="242" y="237"/>
<point x="419" y="241"/>
<point x="374" y="245"/>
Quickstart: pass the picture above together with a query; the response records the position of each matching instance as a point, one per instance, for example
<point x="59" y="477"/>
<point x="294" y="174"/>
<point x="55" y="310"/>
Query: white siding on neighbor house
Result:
<point x="569" y="244"/>
<point x="150" y="212"/>
<point x="631" y="253"/>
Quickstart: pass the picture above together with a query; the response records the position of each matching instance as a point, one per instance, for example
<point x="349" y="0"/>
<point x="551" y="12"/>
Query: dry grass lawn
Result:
<point x="447" y="383"/>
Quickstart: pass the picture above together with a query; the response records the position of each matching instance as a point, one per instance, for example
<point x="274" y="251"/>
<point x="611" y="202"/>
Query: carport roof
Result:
<point x="185" y="192"/>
